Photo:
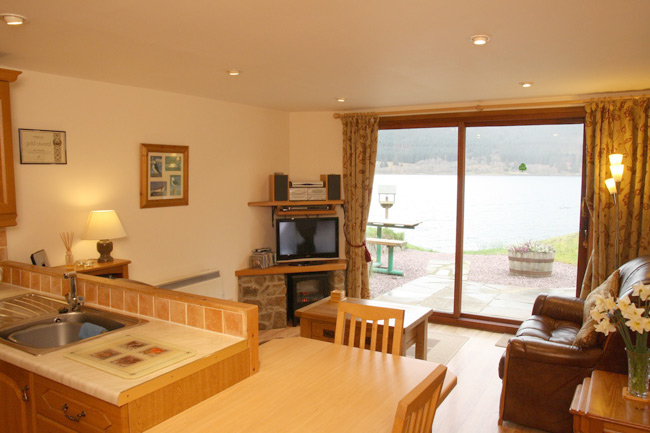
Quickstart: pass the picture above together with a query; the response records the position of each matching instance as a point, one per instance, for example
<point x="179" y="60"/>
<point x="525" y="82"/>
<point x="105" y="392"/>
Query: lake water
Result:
<point x="499" y="210"/>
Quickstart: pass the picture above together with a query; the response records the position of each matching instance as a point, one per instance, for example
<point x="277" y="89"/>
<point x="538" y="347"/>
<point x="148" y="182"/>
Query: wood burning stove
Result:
<point x="304" y="289"/>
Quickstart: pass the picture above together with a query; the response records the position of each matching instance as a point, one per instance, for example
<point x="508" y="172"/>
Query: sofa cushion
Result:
<point x="588" y="336"/>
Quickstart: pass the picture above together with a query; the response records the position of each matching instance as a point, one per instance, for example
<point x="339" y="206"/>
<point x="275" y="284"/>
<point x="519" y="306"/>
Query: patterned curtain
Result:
<point x="617" y="126"/>
<point x="359" y="156"/>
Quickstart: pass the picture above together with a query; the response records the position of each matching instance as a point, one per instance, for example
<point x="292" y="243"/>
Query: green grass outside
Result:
<point x="566" y="249"/>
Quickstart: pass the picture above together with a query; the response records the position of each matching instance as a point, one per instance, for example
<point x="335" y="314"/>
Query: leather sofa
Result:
<point x="541" y="367"/>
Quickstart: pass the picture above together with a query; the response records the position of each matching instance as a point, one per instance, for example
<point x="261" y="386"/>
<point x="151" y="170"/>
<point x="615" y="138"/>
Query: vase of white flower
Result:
<point x="632" y="321"/>
<point x="638" y="372"/>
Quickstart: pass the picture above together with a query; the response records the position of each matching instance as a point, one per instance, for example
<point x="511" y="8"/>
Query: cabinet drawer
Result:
<point x="75" y="410"/>
<point x="323" y="331"/>
<point x="44" y="425"/>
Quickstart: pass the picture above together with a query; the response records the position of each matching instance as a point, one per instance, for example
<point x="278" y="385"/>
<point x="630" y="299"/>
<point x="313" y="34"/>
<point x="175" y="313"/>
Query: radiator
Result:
<point x="206" y="283"/>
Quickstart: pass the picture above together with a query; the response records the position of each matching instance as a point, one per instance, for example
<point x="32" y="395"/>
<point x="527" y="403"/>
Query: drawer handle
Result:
<point x="25" y="395"/>
<point x="71" y="417"/>
<point x="328" y="333"/>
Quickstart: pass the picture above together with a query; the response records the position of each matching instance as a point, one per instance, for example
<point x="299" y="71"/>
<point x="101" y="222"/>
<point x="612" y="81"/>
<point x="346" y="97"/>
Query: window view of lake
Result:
<point x="500" y="210"/>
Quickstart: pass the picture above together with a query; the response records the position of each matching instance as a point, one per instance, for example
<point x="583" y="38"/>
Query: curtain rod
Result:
<point x="479" y="107"/>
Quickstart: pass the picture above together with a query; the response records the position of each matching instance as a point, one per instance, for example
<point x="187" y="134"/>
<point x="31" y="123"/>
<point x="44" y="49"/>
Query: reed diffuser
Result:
<point x="67" y="238"/>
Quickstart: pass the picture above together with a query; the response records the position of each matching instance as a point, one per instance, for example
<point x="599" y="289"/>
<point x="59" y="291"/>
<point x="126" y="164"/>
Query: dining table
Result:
<point x="306" y="385"/>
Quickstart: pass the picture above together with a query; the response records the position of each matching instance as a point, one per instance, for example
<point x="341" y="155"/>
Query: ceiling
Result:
<point x="300" y="55"/>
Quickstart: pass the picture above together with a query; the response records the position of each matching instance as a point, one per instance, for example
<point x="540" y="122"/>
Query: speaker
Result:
<point x="333" y="184"/>
<point x="279" y="187"/>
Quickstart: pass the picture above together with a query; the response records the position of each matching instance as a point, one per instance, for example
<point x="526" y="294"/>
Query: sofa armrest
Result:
<point x="534" y="349"/>
<point x="559" y="307"/>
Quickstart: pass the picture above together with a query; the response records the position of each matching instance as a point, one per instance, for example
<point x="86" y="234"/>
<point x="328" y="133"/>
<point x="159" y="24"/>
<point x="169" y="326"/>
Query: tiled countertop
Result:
<point x="106" y="386"/>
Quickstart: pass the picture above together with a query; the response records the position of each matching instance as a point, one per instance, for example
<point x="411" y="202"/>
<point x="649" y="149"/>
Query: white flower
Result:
<point x="599" y="302"/>
<point x="633" y="313"/>
<point x="624" y="303"/>
<point x="641" y="290"/>
<point x="637" y="324"/>
<point x="645" y="321"/>
<point x="610" y="304"/>
<point x="598" y="315"/>
<point x="605" y="326"/>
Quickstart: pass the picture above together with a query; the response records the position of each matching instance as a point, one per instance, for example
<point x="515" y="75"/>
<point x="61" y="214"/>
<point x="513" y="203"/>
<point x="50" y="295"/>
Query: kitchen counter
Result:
<point x="210" y="347"/>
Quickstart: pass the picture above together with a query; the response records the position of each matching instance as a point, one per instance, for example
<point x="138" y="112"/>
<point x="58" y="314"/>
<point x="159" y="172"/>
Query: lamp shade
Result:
<point x="611" y="185"/>
<point x="103" y="224"/>
<point x="616" y="158"/>
<point x="617" y="171"/>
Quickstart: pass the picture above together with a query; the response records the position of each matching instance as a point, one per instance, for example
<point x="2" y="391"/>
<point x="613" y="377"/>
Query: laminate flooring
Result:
<point x="473" y="406"/>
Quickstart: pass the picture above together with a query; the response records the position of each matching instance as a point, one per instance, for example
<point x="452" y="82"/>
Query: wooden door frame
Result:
<point x="462" y="121"/>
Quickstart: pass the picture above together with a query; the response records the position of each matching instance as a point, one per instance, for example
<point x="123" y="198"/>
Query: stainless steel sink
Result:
<point x="50" y="331"/>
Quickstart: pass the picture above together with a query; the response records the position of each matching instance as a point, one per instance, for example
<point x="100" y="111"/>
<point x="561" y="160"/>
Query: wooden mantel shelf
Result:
<point x="334" y="265"/>
<point x="294" y="203"/>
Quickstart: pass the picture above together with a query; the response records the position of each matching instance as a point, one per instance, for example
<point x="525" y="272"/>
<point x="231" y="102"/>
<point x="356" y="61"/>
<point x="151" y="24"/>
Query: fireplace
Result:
<point x="304" y="289"/>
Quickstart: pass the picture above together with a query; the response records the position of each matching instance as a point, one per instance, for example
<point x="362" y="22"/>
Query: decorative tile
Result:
<point x="131" y="303"/>
<point x="117" y="298"/>
<point x="92" y="295"/>
<point x="213" y="319"/>
<point x="161" y="308"/>
<point x="177" y="313"/>
<point x="195" y="316"/>
<point x="146" y="305"/>
<point x="233" y="323"/>
<point x="104" y="296"/>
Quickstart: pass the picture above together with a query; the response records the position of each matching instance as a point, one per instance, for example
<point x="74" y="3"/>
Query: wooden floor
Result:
<point x="473" y="406"/>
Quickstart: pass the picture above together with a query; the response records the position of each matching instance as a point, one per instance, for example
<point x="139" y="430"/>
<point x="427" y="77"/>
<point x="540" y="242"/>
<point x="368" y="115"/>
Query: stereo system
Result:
<point x="328" y="188"/>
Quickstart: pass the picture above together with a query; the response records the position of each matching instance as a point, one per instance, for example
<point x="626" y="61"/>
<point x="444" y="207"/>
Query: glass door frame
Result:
<point x="462" y="121"/>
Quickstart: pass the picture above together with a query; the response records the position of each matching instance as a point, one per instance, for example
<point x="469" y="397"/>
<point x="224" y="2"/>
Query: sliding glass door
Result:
<point x="456" y="193"/>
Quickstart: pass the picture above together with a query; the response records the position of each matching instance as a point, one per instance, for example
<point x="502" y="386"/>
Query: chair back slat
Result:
<point x="373" y="319"/>
<point x="416" y="410"/>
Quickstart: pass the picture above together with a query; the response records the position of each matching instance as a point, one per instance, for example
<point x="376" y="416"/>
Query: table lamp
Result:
<point x="103" y="225"/>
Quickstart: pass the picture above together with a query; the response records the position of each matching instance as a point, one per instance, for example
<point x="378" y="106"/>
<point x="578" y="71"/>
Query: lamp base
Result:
<point x="104" y="247"/>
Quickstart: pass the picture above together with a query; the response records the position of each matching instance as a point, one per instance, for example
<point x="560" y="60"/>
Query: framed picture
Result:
<point x="164" y="174"/>
<point x="39" y="146"/>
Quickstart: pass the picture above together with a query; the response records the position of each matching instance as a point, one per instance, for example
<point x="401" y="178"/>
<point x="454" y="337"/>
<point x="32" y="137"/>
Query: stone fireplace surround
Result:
<point x="269" y="293"/>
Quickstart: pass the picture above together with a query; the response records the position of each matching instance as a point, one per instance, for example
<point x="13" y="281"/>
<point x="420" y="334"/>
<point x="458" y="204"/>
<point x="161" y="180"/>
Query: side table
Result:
<point x="118" y="268"/>
<point x="598" y="406"/>
<point x="318" y="321"/>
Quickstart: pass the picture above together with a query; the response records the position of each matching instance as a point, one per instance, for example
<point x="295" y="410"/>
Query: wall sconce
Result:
<point x="387" y="196"/>
<point x="613" y="185"/>
<point x="103" y="225"/>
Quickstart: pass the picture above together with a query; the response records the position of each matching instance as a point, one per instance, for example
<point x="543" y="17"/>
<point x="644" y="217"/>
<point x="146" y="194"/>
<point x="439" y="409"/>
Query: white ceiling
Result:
<point x="300" y="55"/>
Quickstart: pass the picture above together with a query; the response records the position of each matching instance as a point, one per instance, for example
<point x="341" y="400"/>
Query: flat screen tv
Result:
<point x="306" y="239"/>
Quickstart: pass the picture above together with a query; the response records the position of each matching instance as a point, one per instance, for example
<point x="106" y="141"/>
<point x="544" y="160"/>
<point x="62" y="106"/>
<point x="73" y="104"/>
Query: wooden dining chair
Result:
<point x="416" y="410"/>
<point x="368" y="316"/>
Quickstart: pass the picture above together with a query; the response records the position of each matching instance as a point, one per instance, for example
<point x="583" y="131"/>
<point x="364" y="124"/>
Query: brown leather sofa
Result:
<point x="541" y="367"/>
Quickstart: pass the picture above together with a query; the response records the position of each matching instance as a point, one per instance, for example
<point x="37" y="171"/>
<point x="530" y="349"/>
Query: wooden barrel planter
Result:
<point x="529" y="264"/>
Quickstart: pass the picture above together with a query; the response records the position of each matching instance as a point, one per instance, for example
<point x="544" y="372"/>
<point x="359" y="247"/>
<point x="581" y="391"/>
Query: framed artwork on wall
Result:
<point x="164" y="174"/>
<point x="40" y="146"/>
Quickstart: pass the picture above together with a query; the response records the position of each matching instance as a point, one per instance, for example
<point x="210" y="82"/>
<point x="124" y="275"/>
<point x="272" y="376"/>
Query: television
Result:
<point x="307" y="239"/>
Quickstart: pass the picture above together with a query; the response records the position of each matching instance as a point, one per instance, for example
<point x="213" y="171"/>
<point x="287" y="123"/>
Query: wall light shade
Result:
<point x="617" y="171"/>
<point x="616" y="158"/>
<point x="611" y="185"/>
<point x="103" y="225"/>
<point x="13" y="19"/>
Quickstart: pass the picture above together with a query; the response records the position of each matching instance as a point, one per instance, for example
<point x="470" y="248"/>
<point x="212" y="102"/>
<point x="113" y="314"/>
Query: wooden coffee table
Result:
<point x="318" y="321"/>
<point x="598" y="406"/>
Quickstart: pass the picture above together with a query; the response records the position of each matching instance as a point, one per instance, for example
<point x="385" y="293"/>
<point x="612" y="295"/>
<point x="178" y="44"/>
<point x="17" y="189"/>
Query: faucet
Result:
<point x="74" y="302"/>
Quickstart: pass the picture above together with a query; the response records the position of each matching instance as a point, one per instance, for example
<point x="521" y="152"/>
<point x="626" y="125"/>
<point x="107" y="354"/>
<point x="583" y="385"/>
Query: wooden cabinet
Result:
<point x="7" y="185"/>
<point x="16" y="397"/>
<point x="58" y="406"/>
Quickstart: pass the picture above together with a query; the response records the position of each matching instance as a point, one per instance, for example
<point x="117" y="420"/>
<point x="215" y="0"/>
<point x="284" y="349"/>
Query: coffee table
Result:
<point x="318" y="321"/>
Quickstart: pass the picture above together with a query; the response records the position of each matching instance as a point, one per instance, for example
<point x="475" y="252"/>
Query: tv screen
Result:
<point x="307" y="238"/>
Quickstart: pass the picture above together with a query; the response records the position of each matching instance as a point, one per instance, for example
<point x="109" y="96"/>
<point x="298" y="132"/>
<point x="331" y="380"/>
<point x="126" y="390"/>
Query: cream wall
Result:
<point x="233" y="148"/>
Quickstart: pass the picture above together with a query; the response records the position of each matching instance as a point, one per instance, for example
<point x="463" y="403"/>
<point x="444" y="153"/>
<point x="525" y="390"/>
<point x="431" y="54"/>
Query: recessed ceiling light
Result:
<point x="480" y="39"/>
<point x="340" y="99"/>
<point x="526" y="84"/>
<point x="13" y="19"/>
<point x="233" y="72"/>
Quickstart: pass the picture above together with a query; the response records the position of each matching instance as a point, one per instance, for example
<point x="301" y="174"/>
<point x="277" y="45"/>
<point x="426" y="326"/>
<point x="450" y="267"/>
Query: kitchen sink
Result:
<point x="54" y="331"/>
